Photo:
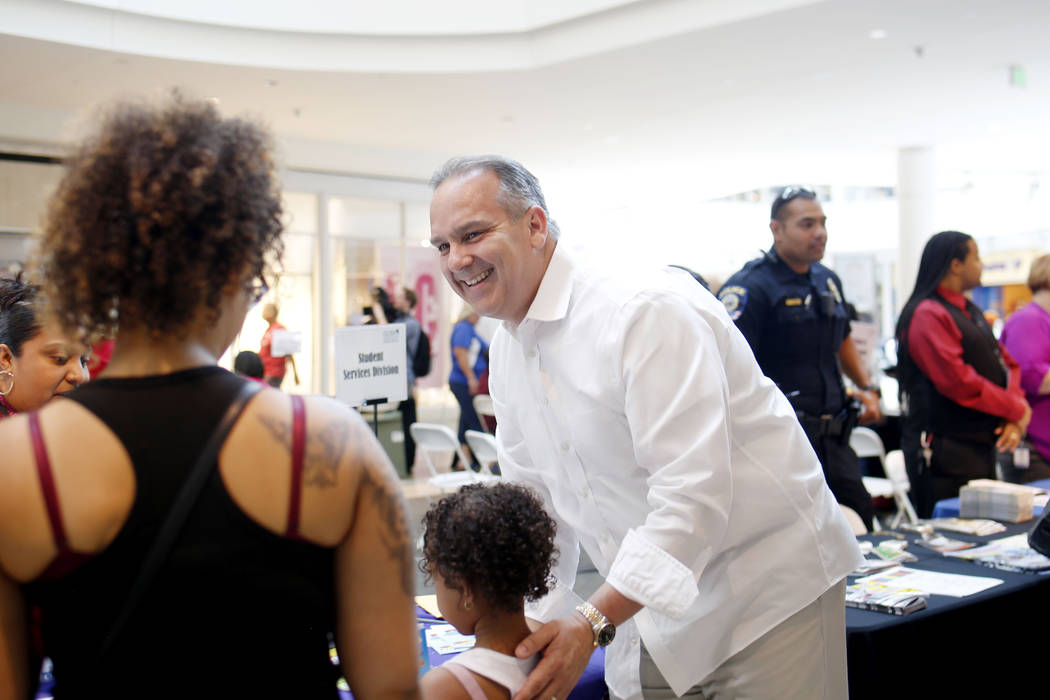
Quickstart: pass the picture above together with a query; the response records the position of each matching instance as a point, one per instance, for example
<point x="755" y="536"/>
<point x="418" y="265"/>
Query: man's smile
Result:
<point x="475" y="280"/>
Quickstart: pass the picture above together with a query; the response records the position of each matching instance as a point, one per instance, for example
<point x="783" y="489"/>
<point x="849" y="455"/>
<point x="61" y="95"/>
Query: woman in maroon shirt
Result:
<point x="960" y="389"/>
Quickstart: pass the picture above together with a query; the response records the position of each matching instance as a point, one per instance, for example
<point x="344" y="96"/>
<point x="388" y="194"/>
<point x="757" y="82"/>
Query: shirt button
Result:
<point x="565" y="447"/>
<point x="634" y="641"/>
<point x="531" y="354"/>
<point x="585" y="492"/>
<point x="606" y="539"/>
<point x="546" y="401"/>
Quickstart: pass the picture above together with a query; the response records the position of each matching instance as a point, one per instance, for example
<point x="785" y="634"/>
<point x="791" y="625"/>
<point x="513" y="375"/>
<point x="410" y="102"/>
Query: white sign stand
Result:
<point x="370" y="366"/>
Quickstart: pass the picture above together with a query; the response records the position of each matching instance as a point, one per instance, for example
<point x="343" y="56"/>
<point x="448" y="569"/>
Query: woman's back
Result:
<point x="238" y="606"/>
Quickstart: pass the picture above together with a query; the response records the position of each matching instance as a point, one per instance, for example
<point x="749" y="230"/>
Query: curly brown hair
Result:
<point x="156" y="215"/>
<point x="498" y="540"/>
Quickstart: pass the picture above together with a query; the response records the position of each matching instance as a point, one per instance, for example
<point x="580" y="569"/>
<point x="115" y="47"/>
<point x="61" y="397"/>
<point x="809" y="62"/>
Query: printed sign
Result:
<point x="370" y="363"/>
<point x="286" y="342"/>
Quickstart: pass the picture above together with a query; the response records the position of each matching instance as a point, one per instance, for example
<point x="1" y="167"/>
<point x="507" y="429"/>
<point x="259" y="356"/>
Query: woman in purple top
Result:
<point x="1027" y="336"/>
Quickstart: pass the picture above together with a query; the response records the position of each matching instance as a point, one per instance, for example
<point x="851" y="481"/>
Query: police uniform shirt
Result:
<point x="795" y="324"/>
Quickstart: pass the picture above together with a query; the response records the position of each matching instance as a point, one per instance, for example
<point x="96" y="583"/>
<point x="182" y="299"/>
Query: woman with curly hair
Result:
<point x="161" y="232"/>
<point x="37" y="361"/>
<point x="488" y="549"/>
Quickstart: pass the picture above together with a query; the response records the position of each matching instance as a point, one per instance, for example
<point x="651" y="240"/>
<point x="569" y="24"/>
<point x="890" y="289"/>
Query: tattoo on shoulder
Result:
<point x="324" y="448"/>
<point x="395" y="536"/>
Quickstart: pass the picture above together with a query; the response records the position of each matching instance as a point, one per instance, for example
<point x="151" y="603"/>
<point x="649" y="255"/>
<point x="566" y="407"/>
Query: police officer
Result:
<point x="792" y="312"/>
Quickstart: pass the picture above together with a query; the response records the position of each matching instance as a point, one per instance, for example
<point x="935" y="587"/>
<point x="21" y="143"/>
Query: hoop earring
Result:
<point x="10" y="382"/>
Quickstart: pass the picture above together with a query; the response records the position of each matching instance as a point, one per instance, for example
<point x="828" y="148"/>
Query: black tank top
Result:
<point x="236" y="611"/>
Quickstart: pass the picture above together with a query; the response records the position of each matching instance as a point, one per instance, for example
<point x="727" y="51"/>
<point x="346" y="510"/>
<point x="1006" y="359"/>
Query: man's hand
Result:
<point x="566" y="645"/>
<point x="871" y="413"/>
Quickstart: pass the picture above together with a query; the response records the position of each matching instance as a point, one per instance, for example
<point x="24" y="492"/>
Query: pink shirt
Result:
<point x="1027" y="336"/>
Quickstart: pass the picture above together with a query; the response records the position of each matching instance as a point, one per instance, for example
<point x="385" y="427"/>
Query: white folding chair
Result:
<point x="855" y="521"/>
<point x="430" y="438"/>
<point x="483" y="445"/>
<point x="898" y="475"/>
<point x="867" y="443"/>
<point x="483" y="407"/>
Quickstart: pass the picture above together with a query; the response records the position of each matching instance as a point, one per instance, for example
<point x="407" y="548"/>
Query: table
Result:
<point x="949" y="507"/>
<point x="978" y="646"/>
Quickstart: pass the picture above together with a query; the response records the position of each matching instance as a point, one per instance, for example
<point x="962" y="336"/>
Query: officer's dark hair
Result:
<point x="787" y="195"/>
<point x="936" y="261"/>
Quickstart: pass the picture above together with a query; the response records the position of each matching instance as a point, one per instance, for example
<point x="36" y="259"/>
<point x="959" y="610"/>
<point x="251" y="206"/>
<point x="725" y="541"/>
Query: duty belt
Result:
<point x="826" y="424"/>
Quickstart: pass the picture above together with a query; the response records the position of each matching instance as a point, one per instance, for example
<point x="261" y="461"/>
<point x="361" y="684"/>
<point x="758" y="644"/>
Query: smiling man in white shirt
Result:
<point x="636" y="410"/>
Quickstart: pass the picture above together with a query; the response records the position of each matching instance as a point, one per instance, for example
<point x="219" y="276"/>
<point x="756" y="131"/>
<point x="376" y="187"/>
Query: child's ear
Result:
<point x="466" y="599"/>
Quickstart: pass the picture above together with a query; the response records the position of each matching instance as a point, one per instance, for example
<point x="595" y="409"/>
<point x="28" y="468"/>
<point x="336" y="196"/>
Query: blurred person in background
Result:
<point x="248" y="364"/>
<point x="37" y="360"/>
<point x="1026" y="335"/>
<point x="961" y="398"/>
<point x="296" y="536"/>
<point x="469" y="362"/>
<point x="274" y="368"/>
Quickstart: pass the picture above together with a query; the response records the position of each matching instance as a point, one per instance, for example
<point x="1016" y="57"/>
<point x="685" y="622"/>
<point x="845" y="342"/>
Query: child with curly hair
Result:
<point x="488" y="549"/>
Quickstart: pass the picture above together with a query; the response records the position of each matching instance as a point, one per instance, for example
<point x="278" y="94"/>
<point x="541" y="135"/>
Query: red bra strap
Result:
<point x="47" y="483"/>
<point x="298" y="452"/>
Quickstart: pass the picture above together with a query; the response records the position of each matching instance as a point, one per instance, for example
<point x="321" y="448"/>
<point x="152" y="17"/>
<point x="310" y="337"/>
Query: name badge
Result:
<point x="793" y="302"/>
<point x="1021" y="457"/>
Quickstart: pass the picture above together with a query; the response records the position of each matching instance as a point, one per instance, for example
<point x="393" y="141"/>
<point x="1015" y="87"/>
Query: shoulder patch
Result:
<point x="734" y="298"/>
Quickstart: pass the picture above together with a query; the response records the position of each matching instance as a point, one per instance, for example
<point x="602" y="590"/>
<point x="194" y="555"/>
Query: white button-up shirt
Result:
<point x="635" y="408"/>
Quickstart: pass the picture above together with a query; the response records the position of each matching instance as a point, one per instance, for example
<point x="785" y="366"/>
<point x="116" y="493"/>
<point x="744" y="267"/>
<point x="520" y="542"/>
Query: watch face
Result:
<point x="605" y="635"/>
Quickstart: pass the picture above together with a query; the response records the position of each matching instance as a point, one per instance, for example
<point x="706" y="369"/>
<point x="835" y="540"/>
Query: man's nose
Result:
<point x="458" y="257"/>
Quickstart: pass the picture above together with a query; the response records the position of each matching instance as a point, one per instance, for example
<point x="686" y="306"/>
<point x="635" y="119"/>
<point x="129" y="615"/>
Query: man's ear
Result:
<point x="538" y="233"/>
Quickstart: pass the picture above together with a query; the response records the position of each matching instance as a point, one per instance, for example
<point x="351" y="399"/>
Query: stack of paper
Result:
<point x="981" y="527"/>
<point x="996" y="500"/>
<point x="1008" y="553"/>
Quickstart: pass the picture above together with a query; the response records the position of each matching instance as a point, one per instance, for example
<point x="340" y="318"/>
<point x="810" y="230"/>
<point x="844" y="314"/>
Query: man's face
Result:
<point x="493" y="262"/>
<point x="971" y="266"/>
<point x="401" y="301"/>
<point x="800" y="234"/>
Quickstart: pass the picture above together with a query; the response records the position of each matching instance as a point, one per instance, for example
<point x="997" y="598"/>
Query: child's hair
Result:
<point x="497" y="539"/>
<point x="248" y="364"/>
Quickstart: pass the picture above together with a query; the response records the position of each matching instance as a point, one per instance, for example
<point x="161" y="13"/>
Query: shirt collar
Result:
<point x="952" y="297"/>
<point x="784" y="267"/>
<point x="551" y="302"/>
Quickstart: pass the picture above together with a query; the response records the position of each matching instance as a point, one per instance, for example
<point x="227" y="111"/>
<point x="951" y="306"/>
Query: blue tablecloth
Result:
<point x="949" y="507"/>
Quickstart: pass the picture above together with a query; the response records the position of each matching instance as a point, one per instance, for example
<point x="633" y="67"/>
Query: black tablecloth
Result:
<point x="977" y="646"/>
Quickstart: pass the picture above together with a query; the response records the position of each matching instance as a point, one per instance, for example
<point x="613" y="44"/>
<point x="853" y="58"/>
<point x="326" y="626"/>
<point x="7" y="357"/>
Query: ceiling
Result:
<point x="708" y="97"/>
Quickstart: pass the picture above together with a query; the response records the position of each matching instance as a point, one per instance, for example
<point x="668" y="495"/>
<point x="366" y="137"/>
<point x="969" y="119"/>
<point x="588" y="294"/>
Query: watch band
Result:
<point x="597" y="620"/>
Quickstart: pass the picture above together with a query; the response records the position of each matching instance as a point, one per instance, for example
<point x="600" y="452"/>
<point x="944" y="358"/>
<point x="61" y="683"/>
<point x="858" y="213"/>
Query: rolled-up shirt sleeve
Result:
<point x="676" y="400"/>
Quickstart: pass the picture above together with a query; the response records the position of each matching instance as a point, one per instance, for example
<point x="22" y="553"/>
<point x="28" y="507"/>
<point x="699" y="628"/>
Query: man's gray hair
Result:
<point x="519" y="190"/>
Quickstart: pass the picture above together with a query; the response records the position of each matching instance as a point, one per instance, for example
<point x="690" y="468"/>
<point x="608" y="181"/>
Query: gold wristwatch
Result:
<point x="603" y="629"/>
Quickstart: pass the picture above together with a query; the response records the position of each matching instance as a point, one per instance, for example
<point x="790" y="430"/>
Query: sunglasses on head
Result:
<point x="788" y="194"/>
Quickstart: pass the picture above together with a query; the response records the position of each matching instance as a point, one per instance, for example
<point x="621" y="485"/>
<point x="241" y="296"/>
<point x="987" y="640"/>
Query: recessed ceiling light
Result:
<point x="425" y="243"/>
<point x="271" y="83"/>
<point x="213" y="100"/>
<point x="877" y="34"/>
